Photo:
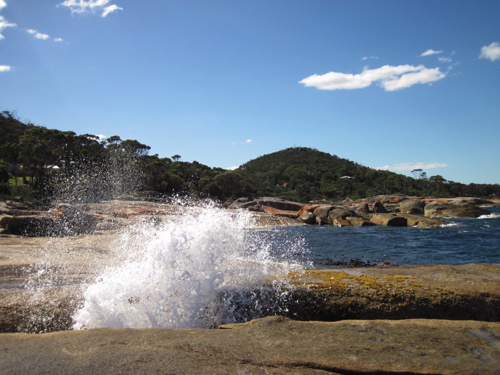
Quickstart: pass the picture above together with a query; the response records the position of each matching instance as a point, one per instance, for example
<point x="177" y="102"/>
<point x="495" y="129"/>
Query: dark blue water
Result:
<point x="463" y="241"/>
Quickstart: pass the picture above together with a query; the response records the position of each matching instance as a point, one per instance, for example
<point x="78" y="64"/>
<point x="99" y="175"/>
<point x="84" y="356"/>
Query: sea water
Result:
<point x="461" y="241"/>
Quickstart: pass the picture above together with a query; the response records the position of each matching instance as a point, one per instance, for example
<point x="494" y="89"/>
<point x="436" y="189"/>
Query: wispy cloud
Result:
<point x="42" y="36"/>
<point x="84" y="6"/>
<point x="4" y="24"/>
<point x="110" y="9"/>
<point x="444" y="59"/>
<point x="430" y="52"/>
<point x="248" y="141"/>
<point x="232" y="168"/>
<point x="369" y="57"/>
<point x="411" y="166"/>
<point x="37" y="35"/>
<point x="491" y="52"/>
<point x="390" y="78"/>
<point x="5" y="68"/>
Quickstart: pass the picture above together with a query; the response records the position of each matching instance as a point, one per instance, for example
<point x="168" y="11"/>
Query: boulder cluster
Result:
<point x="386" y="211"/>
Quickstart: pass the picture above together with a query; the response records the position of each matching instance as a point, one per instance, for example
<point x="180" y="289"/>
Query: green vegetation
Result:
<point x="304" y="174"/>
<point x="40" y="164"/>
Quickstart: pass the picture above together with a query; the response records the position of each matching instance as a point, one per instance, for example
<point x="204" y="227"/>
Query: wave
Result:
<point x="203" y="268"/>
<point x="490" y="216"/>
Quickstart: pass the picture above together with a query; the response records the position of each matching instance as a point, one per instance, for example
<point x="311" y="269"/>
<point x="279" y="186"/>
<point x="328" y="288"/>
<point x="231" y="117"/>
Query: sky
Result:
<point x="395" y="85"/>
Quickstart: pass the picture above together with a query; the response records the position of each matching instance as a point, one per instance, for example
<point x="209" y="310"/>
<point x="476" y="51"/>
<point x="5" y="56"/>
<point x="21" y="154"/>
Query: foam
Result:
<point x="203" y="268"/>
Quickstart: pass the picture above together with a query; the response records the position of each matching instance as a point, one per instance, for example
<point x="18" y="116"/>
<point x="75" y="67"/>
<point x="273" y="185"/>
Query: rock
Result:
<point x="74" y="221"/>
<point x="273" y="345"/>
<point x="363" y="208"/>
<point x="437" y="292"/>
<point x="243" y="203"/>
<point x="31" y="226"/>
<point x="412" y="206"/>
<point x="454" y="209"/>
<point x="309" y="208"/>
<point x="422" y="221"/>
<point x="278" y="212"/>
<point x="4" y="220"/>
<point x="341" y="213"/>
<point x="359" y="221"/>
<point x="321" y="214"/>
<point x="308" y="217"/>
<point x="339" y="222"/>
<point x="388" y="220"/>
<point x="379" y="208"/>
<point x="280" y="204"/>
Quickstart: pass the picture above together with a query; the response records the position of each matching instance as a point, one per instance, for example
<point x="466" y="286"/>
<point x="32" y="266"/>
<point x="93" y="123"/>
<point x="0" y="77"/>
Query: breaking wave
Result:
<point x="202" y="268"/>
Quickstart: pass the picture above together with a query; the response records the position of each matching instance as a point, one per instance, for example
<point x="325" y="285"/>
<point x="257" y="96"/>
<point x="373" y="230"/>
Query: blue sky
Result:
<point x="388" y="84"/>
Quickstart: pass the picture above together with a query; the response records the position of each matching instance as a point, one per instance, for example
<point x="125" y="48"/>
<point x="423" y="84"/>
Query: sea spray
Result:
<point x="205" y="267"/>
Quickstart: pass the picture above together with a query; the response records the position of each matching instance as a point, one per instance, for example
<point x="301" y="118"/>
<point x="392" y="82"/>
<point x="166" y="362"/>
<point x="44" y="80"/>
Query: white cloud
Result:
<point x="83" y="6"/>
<point x="407" y="80"/>
<point x="444" y="59"/>
<point x="248" y="141"/>
<point x="3" y="4"/>
<point x="37" y="35"/>
<point x="430" y="52"/>
<point x="232" y="168"/>
<point x="412" y="166"/>
<point x="41" y="36"/>
<point x="391" y="78"/>
<point x="491" y="52"/>
<point x="110" y="9"/>
<point x="58" y="40"/>
<point x="371" y="57"/>
<point x="4" y="24"/>
<point x="5" y="68"/>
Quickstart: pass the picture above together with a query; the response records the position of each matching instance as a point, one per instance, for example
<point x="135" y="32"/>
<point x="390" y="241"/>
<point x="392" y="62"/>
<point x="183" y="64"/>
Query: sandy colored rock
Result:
<point x="421" y="221"/>
<point x="453" y="209"/>
<point x="412" y="206"/>
<point x="436" y="292"/>
<point x="273" y="345"/>
<point x="388" y="220"/>
<point x="308" y="217"/>
<point x="359" y="221"/>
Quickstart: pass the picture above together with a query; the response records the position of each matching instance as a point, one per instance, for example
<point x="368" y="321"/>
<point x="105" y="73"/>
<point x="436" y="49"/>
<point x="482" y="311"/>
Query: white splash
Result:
<point x="493" y="215"/>
<point x="203" y="268"/>
<point x="449" y="225"/>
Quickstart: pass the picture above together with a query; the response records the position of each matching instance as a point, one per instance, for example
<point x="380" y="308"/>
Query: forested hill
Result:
<point x="306" y="174"/>
<point x="37" y="163"/>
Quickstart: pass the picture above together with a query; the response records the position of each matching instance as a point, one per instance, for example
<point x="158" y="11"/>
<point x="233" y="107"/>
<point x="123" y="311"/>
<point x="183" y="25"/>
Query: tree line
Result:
<point x="37" y="163"/>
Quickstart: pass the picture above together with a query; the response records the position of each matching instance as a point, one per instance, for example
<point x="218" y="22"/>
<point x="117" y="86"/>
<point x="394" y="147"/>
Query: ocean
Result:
<point x="462" y="241"/>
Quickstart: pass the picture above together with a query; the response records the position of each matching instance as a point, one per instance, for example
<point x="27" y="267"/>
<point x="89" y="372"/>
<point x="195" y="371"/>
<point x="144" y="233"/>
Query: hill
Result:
<point x="41" y="163"/>
<point x="305" y="174"/>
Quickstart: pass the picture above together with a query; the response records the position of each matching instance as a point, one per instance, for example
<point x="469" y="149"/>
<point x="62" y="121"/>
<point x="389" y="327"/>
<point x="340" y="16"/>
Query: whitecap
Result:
<point x="490" y="216"/>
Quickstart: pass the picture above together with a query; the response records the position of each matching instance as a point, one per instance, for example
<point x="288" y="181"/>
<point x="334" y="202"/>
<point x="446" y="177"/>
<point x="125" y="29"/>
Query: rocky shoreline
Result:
<point x="380" y="319"/>
<point x="397" y="211"/>
<point x="85" y="218"/>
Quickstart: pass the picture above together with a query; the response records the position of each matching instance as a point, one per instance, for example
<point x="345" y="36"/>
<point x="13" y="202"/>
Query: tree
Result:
<point x="134" y="147"/>
<point x="176" y="157"/>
